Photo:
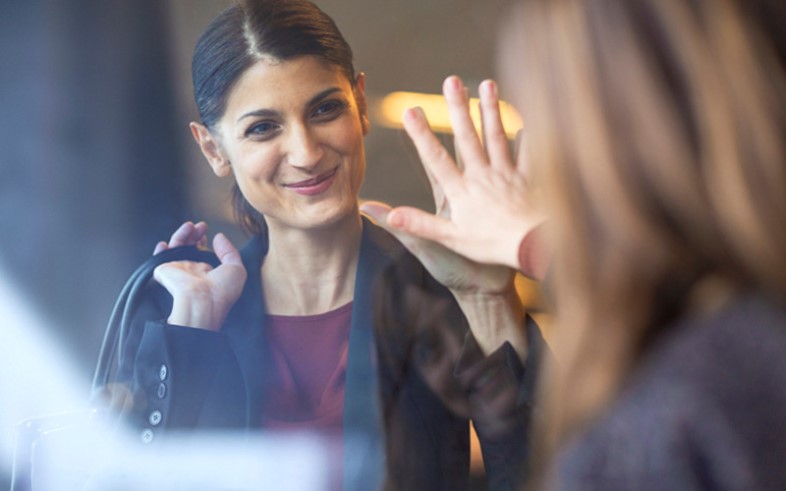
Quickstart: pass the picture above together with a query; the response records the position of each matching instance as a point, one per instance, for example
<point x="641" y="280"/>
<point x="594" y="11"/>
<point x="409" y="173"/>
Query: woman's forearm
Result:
<point x="495" y="318"/>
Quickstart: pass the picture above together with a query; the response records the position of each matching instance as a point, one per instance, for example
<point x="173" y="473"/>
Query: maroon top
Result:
<point x="309" y="355"/>
<point x="310" y="363"/>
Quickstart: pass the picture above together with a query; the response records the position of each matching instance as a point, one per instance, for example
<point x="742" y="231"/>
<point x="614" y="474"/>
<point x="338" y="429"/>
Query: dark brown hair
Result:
<point x="242" y="35"/>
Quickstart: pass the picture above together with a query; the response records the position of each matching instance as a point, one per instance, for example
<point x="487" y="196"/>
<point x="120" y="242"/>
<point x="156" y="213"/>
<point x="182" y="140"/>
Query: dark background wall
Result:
<point x="92" y="168"/>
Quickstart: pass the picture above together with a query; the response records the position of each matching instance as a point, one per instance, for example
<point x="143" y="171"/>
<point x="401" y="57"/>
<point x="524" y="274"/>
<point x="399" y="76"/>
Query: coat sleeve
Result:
<point x="500" y="393"/>
<point x="178" y="377"/>
<point x="424" y="337"/>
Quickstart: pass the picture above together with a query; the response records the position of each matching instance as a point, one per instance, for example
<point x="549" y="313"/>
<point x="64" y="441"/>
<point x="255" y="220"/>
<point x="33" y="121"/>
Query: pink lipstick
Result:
<point x="315" y="185"/>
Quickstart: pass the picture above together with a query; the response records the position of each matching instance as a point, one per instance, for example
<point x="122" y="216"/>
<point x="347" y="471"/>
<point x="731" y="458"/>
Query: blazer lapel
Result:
<point x="246" y="330"/>
<point x="362" y="422"/>
<point x="363" y="426"/>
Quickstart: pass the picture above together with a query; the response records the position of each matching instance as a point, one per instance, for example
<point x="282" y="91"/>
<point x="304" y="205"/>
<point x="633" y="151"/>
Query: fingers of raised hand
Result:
<point x="467" y="142"/>
<point x="408" y="223"/>
<point x="376" y="210"/>
<point x="421" y="224"/>
<point x="456" y="153"/>
<point x="494" y="136"/>
<point x="437" y="162"/>
<point x="521" y="155"/>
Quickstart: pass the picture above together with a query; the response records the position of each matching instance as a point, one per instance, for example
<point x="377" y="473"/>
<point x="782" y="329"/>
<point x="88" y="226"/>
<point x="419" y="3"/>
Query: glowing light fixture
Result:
<point x="392" y="106"/>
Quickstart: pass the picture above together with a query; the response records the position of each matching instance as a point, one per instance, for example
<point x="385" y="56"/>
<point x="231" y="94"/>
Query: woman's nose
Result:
<point x="303" y="148"/>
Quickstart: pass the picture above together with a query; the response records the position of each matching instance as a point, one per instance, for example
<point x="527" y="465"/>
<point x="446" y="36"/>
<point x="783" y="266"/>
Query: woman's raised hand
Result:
<point x="202" y="295"/>
<point x="488" y="205"/>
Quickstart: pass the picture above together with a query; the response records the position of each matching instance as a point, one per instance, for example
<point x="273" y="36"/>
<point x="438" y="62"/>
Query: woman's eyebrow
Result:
<point x="322" y="95"/>
<point x="271" y="113"/>
<point x="265" y="113"/>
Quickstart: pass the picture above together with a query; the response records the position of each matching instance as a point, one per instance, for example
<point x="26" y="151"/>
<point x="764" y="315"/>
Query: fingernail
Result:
<point x="453" y="83"/>
<point x="489" y="88"/>
<point x="415" y="114"/>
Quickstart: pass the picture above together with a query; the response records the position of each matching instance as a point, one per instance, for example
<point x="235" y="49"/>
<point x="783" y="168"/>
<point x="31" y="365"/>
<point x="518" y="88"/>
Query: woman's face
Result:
<point x="292" y="136"/>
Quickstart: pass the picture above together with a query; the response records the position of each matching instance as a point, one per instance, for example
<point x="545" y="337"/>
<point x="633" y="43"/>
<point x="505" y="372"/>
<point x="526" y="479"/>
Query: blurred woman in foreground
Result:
<point x="655" y="136"/>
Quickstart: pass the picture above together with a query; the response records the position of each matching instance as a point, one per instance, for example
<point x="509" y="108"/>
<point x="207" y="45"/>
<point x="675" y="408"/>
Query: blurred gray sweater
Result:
<point x="706" y="409"/>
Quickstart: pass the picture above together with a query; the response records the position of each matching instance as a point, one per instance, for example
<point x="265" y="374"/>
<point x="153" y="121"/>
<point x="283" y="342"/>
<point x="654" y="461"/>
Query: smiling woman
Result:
<point x="295" y="149"/>
<point x="281" y="335"/>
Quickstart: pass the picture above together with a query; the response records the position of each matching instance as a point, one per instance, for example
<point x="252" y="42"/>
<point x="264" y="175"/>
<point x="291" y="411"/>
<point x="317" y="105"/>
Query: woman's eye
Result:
<point x="329" y="109"/>
<point x="263" y="128"/>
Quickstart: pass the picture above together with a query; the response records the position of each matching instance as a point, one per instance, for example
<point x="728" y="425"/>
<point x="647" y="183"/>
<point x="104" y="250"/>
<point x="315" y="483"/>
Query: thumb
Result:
<point x="376" y="210"/>
<point x="421" y="224"/>
<point x="380" y="212"/>
<point x="406" y="222"/>
<point x="226" y="251"/>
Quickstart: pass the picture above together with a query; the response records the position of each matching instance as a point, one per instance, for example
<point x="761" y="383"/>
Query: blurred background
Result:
<point x="97" y="162"/>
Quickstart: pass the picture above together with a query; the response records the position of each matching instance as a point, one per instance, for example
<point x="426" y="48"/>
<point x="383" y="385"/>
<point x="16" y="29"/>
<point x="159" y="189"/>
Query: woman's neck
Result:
<point x="309" y="272"/>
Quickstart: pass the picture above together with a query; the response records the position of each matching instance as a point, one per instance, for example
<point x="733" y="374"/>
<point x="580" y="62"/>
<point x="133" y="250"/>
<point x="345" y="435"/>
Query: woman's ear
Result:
<point x="360" y="100"/>
<point x="211" y="149"/>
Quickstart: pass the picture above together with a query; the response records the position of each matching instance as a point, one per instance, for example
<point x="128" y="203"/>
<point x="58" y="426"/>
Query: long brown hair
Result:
<point x="657" y="129"/>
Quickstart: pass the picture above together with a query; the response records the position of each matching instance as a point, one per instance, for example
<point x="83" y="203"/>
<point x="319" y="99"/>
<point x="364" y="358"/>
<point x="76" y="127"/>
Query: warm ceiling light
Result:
<point x="393" y="105"/>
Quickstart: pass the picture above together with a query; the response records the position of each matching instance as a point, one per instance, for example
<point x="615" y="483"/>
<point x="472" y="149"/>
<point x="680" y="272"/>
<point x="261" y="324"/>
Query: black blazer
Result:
<point x="185" y="378"/>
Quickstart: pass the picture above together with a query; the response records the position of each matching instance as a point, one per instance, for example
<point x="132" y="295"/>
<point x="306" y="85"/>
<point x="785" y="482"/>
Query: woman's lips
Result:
<point x="315" y="185"/>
